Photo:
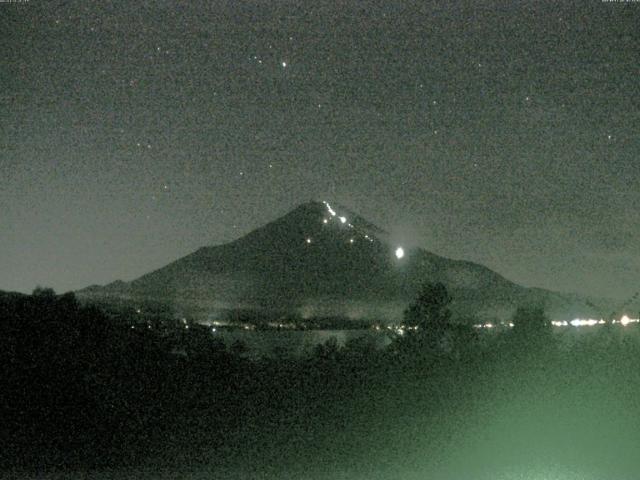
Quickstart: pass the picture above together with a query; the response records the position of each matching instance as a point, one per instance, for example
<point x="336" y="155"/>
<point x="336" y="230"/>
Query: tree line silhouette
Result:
<point x="79" y="389"/>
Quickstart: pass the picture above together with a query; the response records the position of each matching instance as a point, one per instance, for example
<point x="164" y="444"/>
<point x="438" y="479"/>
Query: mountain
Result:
<point x="322" y="260"/>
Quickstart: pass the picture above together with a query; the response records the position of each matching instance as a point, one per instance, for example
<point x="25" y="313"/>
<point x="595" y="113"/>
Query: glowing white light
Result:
<point x="625" y="320"/>
<point x="325" y="221"/>
<point x="331" y="210"/>
<point x="510" y="324"/>
<point x="213" y="329"/>
<point x="578" y="322"/>
<point x="351" y="240"/>
<point x="343" y="220"/>
<point x="284" y="64"/>
<point x="308" y="240"/>
<point x="399" y="252"/>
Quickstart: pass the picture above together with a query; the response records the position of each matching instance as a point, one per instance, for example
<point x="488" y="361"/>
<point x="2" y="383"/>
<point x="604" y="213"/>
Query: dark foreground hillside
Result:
<point x="84" y="399"/>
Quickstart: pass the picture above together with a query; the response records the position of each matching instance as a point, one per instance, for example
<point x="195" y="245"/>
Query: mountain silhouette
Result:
<point x="320" y="259"/>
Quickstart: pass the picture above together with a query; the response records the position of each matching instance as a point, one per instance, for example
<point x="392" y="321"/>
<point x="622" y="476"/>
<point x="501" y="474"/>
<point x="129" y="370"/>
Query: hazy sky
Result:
<point x="506" y="133"/>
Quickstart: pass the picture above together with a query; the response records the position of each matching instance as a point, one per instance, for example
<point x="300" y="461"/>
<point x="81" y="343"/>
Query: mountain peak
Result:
<point x="322" y="259"/>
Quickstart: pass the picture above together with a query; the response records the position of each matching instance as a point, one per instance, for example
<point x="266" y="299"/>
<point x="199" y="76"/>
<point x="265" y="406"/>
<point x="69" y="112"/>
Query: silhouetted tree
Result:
<point x="200" y="345"/>
<point x="328" y="350"/>
<point x="238" y="348"/>
<point x="531" y="325"/>
<point x="463" y="339"/>
<point x="428" y="317"/>
<point x="43" y="293"/>
<point x="362" y="346"/>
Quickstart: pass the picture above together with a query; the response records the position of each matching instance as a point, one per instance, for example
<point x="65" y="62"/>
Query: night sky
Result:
<point x="134" y="132"/>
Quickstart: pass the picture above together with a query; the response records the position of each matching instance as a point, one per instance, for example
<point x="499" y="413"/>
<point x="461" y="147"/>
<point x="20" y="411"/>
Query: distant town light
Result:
<point x="308" y="240"/>
<point x="343" y="219"/>
<point x="325" y="221"/>
<point x="399" y="252"/>
<point x="578" y="322"/>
